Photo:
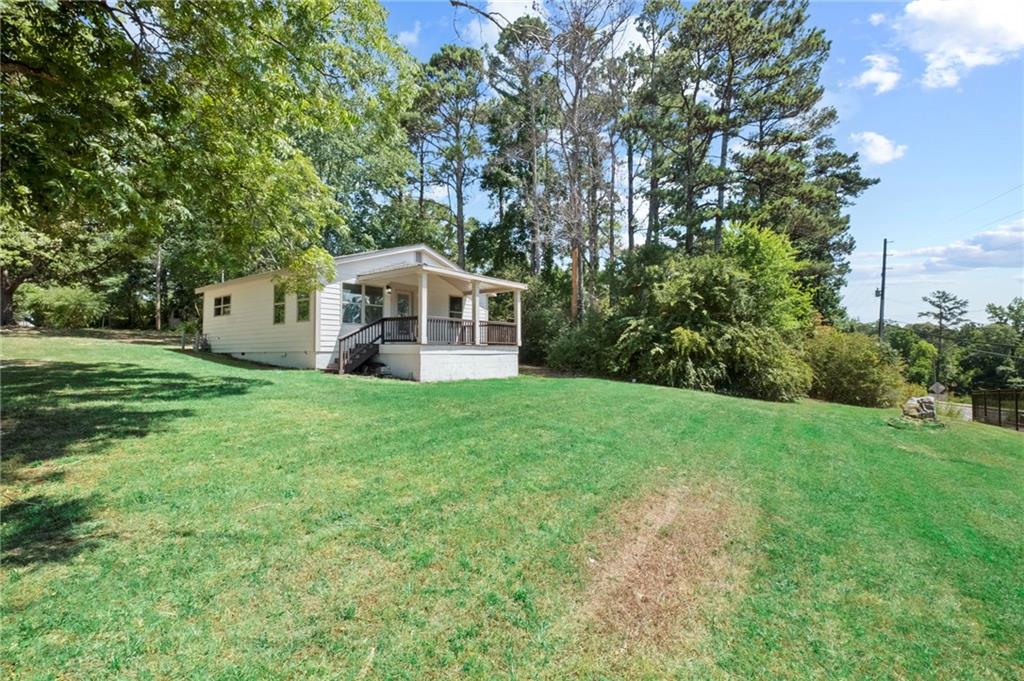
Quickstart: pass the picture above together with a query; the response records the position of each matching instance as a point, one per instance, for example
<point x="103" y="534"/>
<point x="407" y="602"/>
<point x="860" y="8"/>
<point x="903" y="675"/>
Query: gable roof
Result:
<point x="364" y="255"/>
<point x="352" y="257"/>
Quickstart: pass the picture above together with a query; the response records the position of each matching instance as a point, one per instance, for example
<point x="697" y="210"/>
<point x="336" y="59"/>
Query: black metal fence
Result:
<point x="999" y="407"/>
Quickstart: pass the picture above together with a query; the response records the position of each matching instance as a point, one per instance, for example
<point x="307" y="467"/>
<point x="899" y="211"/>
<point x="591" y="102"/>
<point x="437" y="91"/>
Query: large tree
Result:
<point x="140" y="122"/>
<point x="948" y="313"/>
<point x="453" y="81"/>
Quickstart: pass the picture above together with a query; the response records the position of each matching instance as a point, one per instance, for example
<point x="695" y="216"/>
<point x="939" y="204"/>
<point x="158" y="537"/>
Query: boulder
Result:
<point x="920" y="408"/>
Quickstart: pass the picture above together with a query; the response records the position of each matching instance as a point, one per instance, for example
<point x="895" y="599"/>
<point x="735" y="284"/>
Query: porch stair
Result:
<point x="360" y="355"/>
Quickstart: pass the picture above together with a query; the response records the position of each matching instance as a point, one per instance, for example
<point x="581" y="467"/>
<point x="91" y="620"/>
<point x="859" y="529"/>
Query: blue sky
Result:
<point x="931" y="92"/>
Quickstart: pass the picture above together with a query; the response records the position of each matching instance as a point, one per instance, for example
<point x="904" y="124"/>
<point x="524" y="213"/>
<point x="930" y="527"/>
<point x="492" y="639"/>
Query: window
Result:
<point x="455" y="307"/>
<point x="222" y="306"/>
<point x="302" y="306"/>
<point x="278" y="304"/>
<point x="361" y="304"/>
<point x="352" y="304"/>
<point x="373" y="300"/>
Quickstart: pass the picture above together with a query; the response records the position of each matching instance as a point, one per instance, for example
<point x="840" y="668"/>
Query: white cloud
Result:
<point x="628" y="36"/>
<point x="480" y="31"/>
<point x="956" y="36"/>
<point x="877" y="148"/>
<point x="1002" y="247"/>
<point x="876" y="19"/>
<point x="410" y="38"/>
<point x="883" y="73"/>
<point x="436" y="192"/>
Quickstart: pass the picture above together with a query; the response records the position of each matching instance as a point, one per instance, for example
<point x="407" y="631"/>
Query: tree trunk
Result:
<point x="723" y="157"/>
<point x="612" y="200"/>
<point x="8" y="288"/>
<point x="690" y="227"/>
<point x="594" y="218"/>
<point x="654" y="206"/>
<point x="630" y="223"/>
<point x="159" y="264"/>
<point x="460" y="224"/>
<point x="721" y="191"/>
<point x="574" y="302"/>
<point x="423" y="177"/>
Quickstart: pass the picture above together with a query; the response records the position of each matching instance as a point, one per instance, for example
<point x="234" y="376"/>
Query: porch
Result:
<point x="426" y="307"/>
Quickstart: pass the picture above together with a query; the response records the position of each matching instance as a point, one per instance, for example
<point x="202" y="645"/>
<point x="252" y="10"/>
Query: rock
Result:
<point x="920" y="408"/>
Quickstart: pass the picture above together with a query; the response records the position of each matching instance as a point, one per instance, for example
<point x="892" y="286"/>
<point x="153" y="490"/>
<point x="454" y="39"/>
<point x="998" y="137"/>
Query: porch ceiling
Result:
<point x="461" y="280"/>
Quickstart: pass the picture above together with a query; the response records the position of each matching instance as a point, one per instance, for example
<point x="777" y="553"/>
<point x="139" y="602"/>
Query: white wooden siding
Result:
<point x="249" y="331"/>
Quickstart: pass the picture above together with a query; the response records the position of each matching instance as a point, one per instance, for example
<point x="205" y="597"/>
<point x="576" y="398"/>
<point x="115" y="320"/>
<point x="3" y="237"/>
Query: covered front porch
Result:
<point x="434" y="314"/>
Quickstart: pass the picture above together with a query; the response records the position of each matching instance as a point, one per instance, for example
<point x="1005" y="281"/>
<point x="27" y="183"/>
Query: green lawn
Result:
<point x="166" y="515"/>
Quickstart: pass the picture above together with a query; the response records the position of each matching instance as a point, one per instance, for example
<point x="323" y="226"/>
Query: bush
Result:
<point x="760" y="363"/>
<point x="543" y="318"/>
<point x="586" y="348"/>
<point x="852" y="368"/>
<point x="63" y="307"/>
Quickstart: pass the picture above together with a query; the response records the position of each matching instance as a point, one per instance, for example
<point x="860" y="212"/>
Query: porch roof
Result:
<point x="456" y="277"/>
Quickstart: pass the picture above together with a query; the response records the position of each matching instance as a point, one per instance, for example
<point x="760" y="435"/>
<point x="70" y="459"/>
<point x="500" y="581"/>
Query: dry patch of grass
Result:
<point x="662" y="569"/>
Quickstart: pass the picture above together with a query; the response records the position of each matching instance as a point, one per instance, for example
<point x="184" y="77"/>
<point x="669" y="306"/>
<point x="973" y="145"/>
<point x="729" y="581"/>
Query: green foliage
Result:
<point x="921" y="362"/>
<point x="62" y="307"/>
<point x="852" y="368"/>
<point x="732" y="322"/>
<point x="238" y="135"/>
<point x="544" y="316"/>
<point x="584" y="348"/>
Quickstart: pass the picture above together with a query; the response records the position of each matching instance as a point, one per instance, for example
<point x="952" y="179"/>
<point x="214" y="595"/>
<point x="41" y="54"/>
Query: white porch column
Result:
<point x="518" y="296"/>
<point x="423" y="308"/>
<point x="476" y="313"/>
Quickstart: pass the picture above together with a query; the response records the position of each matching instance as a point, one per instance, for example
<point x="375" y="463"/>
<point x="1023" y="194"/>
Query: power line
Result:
<point x="981" y="205"/>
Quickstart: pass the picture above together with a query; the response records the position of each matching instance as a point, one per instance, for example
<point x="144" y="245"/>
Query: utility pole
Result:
<point x="880" y="293"/>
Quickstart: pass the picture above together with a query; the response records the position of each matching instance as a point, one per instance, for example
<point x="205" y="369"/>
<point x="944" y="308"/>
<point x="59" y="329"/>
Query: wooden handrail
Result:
<point x="498" y="333"/>
<point x="440" y="331"/>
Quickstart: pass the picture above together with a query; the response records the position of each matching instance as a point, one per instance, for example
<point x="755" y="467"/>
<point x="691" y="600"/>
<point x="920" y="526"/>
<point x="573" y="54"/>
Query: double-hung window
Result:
<point x="222" y="306"/>
<point x="302" y="306"/>
<point x="279" y="292"/>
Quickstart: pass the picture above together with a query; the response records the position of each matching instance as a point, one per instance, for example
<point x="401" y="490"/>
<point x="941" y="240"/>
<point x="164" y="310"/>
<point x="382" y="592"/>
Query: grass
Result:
<point x="168" y="516"/>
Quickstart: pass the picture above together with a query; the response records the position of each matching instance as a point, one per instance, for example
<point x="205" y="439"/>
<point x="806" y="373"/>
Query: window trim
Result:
<point x="222" y="306"/>
<point x="280" y="304"/>
<point x="363" y="303"/>
<point x="300" y="298"/>
<point x="462" y="307"/>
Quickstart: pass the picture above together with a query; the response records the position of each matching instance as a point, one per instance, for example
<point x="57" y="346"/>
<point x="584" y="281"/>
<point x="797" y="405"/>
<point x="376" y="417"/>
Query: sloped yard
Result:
<point x="166" y="515"/>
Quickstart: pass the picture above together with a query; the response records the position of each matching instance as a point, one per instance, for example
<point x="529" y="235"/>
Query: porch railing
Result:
<point x="498" y="333"/>
<point x="447" y="331"/>
<point x="440" y="331"/>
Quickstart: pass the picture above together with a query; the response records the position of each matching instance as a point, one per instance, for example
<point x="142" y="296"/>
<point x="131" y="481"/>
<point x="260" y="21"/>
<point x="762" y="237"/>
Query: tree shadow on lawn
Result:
<point x="52" y="408"/>
<point x="133" y="336"/>
<point x="44" y="529"/>
<point x="228" y="360"/>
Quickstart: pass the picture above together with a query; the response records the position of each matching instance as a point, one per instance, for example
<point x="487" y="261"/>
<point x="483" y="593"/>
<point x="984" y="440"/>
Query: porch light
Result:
<point x="387" y="289"/>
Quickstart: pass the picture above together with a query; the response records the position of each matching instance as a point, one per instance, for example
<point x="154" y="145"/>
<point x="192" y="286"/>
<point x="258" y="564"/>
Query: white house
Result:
<point x="408" y="310"/>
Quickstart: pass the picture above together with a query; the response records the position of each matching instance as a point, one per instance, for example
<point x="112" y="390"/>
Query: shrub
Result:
<point x="852" y="368"/>
<point x="543" y="318"/>
<point x="586" y="348"/>
<point x="61" y="306"/>
<point x="760" y="363"/>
